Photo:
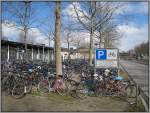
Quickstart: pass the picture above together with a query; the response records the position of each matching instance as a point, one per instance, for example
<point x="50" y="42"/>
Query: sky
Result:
<point x="132" y="22"/>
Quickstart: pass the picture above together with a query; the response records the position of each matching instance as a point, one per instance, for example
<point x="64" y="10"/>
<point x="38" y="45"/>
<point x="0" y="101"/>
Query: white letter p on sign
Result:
<point x="100" y="53"/>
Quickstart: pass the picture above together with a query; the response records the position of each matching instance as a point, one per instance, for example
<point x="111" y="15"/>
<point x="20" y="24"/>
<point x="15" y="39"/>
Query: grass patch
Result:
<point x="36" y="93"/>
<point x="57" y="97"/>
<point x="136" y="108"/>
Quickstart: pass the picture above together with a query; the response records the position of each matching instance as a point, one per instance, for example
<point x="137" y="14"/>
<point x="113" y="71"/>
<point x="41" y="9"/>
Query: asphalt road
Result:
<point x="139" y="73"/>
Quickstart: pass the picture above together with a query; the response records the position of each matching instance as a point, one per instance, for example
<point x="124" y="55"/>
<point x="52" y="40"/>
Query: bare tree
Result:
<point x="76" y="42"/>
<point x="22" y="14"/>
<point x="142" y="49"/>
<point x="49" y="33"/>
<point x="21" y="36"/>
<point x="96" y="14"/>
<point x="88" y="26"/>
<point x="45" y="26"/>
<point x="69" y="35"/>
<point x="68" y="39"/>
<point x="57" y="39"/>
<point x="111" y="39"/>
<point x="108" y="36"/>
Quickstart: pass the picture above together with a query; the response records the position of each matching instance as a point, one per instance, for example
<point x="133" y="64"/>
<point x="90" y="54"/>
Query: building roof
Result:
<point x="64" y="49"/>
<point x="16" y="44"/>
<point x="84" y="50"/>
<point x="19" y="44"/>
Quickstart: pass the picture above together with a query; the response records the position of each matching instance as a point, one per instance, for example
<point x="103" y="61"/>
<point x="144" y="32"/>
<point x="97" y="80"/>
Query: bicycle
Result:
<point x="106" y="85"/>
<point x="120" y="88"/>
<point x="8" y="83"/>
<point x="46" y="84"/>
<point x="131" y="91"/>
<point x="80" y="91"/>
<point x="25" y="87"/>
<point x="73" y="88"/>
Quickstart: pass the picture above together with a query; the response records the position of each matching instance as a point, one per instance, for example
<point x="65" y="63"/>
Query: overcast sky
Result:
<point x="134" y="30"/>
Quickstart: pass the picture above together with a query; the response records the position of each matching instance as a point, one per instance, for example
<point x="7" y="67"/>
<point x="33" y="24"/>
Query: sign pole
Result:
<point x="94" y="61"/>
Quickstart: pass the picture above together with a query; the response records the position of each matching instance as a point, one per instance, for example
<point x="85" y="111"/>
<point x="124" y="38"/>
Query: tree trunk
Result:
<point x="25" y="28"/>
<point x="100" y="40"/>
<point x="91" y="35"/>
<point x="68" y="50"/>
<point x="91" y="43"/>
<point x="99" y="44"/>
<point x="57" y="40"/>
<point x="91" y="48"/>
<point x="25" y="42"/>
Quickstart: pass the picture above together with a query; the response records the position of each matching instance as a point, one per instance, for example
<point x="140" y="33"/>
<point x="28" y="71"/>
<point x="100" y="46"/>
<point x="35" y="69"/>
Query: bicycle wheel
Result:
<point x="43" y="86"/>
<point x="71" y="87"/>
<point x="131" y="91"/>
<point x="98" y="89"/>
<point x="70" y="84"/>
<point x="61" y="92"/>
<point x="18" y="91"/>
<point x="81" y="91"/>
<point x="4" y="84"/>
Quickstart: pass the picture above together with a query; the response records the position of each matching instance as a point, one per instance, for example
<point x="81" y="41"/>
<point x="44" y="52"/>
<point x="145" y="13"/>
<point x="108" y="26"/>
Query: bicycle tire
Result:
<point x="99" y="89"/>
<point x="81" y="91"/>
<point x="4" y="84"/>
<point x="70" y="85"/>
<point x="131" y="91"/>
<point x="61" y="92"/>
<point x="18" y="91"/>
<point x="43" y="87"/>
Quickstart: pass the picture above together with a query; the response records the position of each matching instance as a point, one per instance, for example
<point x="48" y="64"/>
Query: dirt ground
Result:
<point x="54" y="102"/>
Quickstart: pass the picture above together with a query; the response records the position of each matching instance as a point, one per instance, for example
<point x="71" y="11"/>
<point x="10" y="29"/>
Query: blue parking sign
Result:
<point x="101" y="54"/>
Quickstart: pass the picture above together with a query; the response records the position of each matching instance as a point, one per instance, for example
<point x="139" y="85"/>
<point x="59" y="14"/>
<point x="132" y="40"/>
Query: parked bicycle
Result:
<point x="24" y="86"/>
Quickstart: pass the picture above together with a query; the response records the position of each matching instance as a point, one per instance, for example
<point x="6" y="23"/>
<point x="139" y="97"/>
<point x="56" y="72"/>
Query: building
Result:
<point x="15" y="51"/>
<point x="81" y="53"/>
<point x="64" y="53"/>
